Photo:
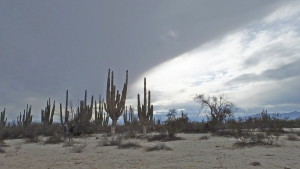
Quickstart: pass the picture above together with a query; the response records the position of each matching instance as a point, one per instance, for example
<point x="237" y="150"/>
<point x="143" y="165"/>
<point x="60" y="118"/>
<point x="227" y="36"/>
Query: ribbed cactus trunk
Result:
<point x="64" y="119"/>
<point x="115" y="102"/>
<point x="145" y="112"/>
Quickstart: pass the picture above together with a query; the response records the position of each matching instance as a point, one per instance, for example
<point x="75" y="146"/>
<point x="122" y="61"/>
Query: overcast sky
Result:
<point x="248" y="50"/>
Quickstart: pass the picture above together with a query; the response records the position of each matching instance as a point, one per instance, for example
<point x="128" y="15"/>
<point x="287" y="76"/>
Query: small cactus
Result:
<point x="64" y="119"/>
<point x="3" y="120"/>
<point x="145" y="112"/>
<point x="128" y="116"/>
<point x="47" y="114"/>
<point x="26" y="119"/>
<point x="101" y="118"/>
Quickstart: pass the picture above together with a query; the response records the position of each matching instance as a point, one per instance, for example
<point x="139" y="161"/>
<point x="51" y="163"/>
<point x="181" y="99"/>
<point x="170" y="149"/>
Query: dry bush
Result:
<point x="251" y="138"/>
<point x="292" y="137"/>
<point x="255" y="163"/>
<point x="113" y="141"/>
<point x="18" y="146"/>
<point x="158" y="147"/>
<point x="163" y="137"/>
<point x="129" y="145"/>
<point x="204" y="138"/>
<point x="54" y="139"/>
<point x="68" y="143"/>
<point x="2" y="144"/>
<point x="2" y="150"/>
<point x="78" y="147"/>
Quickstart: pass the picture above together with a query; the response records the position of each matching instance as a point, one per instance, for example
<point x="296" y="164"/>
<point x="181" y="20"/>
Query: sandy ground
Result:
<point x="216" y="152"/>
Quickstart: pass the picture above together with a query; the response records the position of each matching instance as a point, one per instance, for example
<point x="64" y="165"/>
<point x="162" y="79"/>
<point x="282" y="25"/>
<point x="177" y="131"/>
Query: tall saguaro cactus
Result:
<point x="115" y="102"/>
<point x="47" y="113"/>
<point x="26" y="119"/>
<point x="145" y="112"/>
<point x="3" y="120"/>
<point x="64" y="119"/>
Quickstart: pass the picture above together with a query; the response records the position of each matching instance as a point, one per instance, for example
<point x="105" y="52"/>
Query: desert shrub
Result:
<point x="113" y="141"/>
<point x="130" y="134"/>
<point x="158" y="147"/>
<point x="162" y="137"/>
<point x="78" y="147"/>
<point x="204" y="138"/>
<point x="255" y="163"/>
<point x="2" y="150"/>
<point x="251" y="139"/>
<point x="18" y="146"/>
<point x="292" y="137"/>
<point x="68" y="143"/>
<point x="129" y="145"/>
<point x="2" y="145"/>
<point x="55" y="139"/>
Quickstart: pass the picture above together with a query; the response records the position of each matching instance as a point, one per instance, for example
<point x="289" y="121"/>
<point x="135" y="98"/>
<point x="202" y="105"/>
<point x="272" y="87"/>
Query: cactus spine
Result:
<point x="64" y="119"/>
<point x="145" y="115"/>
<point x="47" y="113"/>
<point x="115" y="102"/>
<point x="3" y="120"/>
<point x="26" y="119"/>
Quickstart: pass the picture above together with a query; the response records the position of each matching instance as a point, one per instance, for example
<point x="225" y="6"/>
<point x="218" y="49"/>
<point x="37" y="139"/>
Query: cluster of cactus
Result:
<point x="128" y="117"/>
<point x="114" y="106"/>
<point x="115" y="102"/>
<point x="47" y="113"/>
<point x="26" y="119"/>
<point x="101" y="118"/>
<point x="64" y="119"/>
<point x="84" y="111"/>
<point x="3" y="120"/>
<point x="145" y="112"/>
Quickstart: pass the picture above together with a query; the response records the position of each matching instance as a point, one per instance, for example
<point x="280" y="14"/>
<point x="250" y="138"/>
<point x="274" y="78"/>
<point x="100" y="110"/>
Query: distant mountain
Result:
<point x="291" y="115"/>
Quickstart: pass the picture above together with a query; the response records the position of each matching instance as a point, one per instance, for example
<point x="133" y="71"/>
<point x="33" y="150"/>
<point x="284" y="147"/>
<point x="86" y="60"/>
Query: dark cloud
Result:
<point x="47" y="47"/>
<point x="281" y="73"/>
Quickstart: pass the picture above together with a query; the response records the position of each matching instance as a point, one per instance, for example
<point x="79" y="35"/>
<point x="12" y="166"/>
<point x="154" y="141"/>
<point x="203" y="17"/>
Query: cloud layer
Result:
<point x="47" y="47"/>
<point x="257" y="66"/>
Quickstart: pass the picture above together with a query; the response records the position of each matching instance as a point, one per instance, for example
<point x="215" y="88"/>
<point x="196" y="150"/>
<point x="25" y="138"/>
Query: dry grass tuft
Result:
<point x="78" y="147"/>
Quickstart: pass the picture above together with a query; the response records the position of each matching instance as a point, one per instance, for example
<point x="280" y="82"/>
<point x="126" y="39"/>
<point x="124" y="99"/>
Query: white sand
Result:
<point x="216" y="152"/>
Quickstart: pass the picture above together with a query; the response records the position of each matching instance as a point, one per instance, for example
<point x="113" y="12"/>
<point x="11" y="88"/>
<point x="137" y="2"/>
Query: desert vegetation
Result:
<point x="141" y="130"/>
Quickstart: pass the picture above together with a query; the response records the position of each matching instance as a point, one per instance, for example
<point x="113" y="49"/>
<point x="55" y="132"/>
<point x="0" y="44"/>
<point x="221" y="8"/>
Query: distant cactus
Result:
<point x="47" y="114"/>
<point x="64" y="119"/>
<point x="128" y="116"/>
<point x="26" y="119"/>
<point x="101" y="118"/>
<point x="145" y="115"/>
<point x="3" y="120"/>
<point x="84" y="111"/>
<point x="115" y="102"/>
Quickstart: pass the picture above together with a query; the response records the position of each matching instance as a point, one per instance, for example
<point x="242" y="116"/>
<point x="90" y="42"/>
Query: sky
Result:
<point x="247" y="50"/>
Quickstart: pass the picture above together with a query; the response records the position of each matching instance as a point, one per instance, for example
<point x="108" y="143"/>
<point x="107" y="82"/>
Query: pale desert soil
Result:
<point x="216" y="152"/>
